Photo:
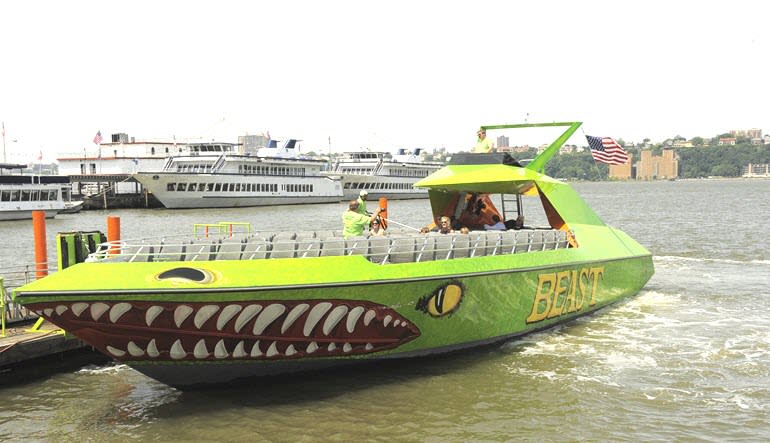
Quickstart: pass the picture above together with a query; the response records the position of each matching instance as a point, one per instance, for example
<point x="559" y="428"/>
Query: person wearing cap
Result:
<point x="483" y="145"/>
<point x="354" y="222"/>
<point x="362" y="201"/>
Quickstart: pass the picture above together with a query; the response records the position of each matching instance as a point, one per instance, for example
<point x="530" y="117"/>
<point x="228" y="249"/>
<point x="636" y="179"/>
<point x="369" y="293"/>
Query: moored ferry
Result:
<point x="380" y="176"/>
<point x="211" y="179"/>
<point x="21" y="194"/>
<point x="201" y="310"/>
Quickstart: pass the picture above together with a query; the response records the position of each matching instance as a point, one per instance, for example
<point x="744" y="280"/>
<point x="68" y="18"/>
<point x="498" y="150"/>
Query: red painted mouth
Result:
<point x="271" y="330"/>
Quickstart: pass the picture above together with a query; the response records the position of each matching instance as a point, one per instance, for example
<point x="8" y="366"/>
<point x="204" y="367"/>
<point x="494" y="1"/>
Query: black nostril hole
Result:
<point x="186" y="273"/>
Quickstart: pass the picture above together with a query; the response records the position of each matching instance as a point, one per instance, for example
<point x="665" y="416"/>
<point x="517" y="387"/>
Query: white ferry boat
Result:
<point x="380" y="176"/>
<point x="212" y="178"/>
<point x="21" y="194"/>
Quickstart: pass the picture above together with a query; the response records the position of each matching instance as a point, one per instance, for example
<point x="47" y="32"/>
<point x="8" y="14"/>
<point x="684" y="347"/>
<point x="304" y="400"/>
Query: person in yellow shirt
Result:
<point x="483" y="145"/>
<point x="353" y="222"/>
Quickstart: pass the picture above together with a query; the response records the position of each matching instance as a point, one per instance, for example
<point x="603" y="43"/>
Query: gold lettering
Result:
<point x="569" y="303"/>
<point x="595" y="274"/>
<point x="556" y="307"/>
<point x="582" y="284"/>
<point x="542" y="295"/>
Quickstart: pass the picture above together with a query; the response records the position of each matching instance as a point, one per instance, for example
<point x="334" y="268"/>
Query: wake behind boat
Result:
<point x="218" y="179"/>
<point x="198" y="311"/>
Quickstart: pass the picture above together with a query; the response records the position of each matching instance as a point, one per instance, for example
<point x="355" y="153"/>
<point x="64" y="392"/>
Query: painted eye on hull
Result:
<point x="443" y="301"/>
<point x="186" y="275"/>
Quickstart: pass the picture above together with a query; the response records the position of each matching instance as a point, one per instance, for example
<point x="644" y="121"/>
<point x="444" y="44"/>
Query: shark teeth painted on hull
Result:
<point x="269" y="330"/>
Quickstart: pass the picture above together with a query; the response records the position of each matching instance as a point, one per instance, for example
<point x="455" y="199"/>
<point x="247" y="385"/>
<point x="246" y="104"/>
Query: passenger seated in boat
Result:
<point x="444" y="225"/>
<point x="376" y="230"/>
<point x="465" y="230"/>
<point x="515" y="224"/>
<point x="497" y="225"/>
<point x="353" y="223"/>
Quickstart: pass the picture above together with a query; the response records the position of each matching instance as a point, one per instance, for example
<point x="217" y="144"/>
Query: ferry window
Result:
<point x="192" y="187"/>
<point x="82" y="168"/>
<point x="93" y="168"/>
<point x="210" y="187"/>
<point x="201" y="186"/>
<point x="240" y="169"/>
<point x="25" y="194"/>
<point x="231" y="188"/>
<point x="181" y="187"/>
<point x="14" y="195"/>
<point x="218" y="187"/>
<point x="152" y="150"/>
<point x="170" y="186"/>
<point x="53" y="195"/>
<point x="5" y="196"/>
<point x="44" y="196"/>
<point x="311" y="188"/>
<point x="166" y="150"/>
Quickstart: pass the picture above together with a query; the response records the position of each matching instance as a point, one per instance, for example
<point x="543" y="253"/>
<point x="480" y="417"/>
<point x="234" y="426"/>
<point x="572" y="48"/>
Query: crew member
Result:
<point x="362" y="201"/>
<point x="354" y="222"/>
<point x="483" y="145"/>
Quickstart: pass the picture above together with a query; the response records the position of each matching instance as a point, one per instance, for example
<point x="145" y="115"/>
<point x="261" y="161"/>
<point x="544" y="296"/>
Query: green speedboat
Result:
<point x="207" y="311"/>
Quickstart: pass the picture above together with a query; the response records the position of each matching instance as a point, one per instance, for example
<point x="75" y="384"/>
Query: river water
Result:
<point x="688" y="359"/>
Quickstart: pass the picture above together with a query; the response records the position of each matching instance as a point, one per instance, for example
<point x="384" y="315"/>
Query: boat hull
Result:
<point x="189" y="336"/>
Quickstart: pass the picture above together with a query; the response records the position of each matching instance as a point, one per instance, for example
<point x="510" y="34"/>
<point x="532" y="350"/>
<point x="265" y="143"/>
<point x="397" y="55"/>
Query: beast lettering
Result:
<point x="560" y="293"/>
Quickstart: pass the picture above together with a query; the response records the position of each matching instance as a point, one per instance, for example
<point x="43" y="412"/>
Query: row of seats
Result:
<point x="391" y="249"/>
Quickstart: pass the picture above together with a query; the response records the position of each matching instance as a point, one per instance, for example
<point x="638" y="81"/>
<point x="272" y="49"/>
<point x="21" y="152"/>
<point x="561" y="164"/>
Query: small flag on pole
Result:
<point x="98" y="138"/>
<point x="607" y="150"/>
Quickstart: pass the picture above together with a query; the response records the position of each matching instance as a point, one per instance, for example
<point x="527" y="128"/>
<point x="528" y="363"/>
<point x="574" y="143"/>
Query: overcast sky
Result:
<point x="377" y="74"/>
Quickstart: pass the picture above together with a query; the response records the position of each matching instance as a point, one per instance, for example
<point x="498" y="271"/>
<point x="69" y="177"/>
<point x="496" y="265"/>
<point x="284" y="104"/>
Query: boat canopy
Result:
<point x="500" y="173"/>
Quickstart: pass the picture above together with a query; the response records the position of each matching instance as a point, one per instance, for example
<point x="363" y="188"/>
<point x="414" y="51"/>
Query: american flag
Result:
<point x="98" y="138"/>
<point x="607" y="150"/>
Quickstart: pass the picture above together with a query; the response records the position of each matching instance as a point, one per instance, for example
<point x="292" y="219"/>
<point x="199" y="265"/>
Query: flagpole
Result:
<point x="4" y="158"/>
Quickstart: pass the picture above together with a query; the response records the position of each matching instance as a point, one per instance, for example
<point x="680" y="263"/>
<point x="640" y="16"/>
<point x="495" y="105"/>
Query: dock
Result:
<point x="25" y="343"/>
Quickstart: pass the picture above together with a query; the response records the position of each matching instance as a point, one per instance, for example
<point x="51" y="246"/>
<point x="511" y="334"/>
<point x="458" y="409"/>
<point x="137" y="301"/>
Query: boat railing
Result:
<point x="394" y="248"/>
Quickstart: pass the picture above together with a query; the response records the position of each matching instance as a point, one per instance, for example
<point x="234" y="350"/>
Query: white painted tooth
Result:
<point x="290" y="351"/>
<point x="204" y="314"/>
<point x="152" y="314"/>
<point x="396" y="323"/>
<point x="118" y="310"/>
<point x="331" y="347"/>
<point x="248" y="313"/>
<point x="315" y="316"/>
<point x="78" y="308"/>
<point x="312" y="347"/>
<point x="97" y="309"/>
<point x="368" y="347"/>
<point x="239" y="351"/>
<point x="227" y="314"/>
<point x="48" y="312"/>
<point x="116" y="352"/>
<point x="293" y="315"/>
<point x="370" y="314"/>
<point x="255" y="351"/>
<point x="333" y="318"/>
<point x="39" y="313"/>
<point x="181" y="313"/>
<point x="272" y="350"/>
<point x="267" y="316"/>
<point x="386" y="320"/>
<point x="220" y="351"/>
<point x="200" y="350"/>
<point x="177" y="351"/>
<point x="353" y="317"/>
<point x="152" y="349"/>
<point x="60" y="309"/>
<point x="346" y="347"/>
<point x="135" y="350"/>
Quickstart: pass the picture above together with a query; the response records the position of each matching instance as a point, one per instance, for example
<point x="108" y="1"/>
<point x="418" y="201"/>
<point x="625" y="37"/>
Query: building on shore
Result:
<point x="656" y="167"/>
<point x="624" y="171"/>
<point x="754" y="170"/>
